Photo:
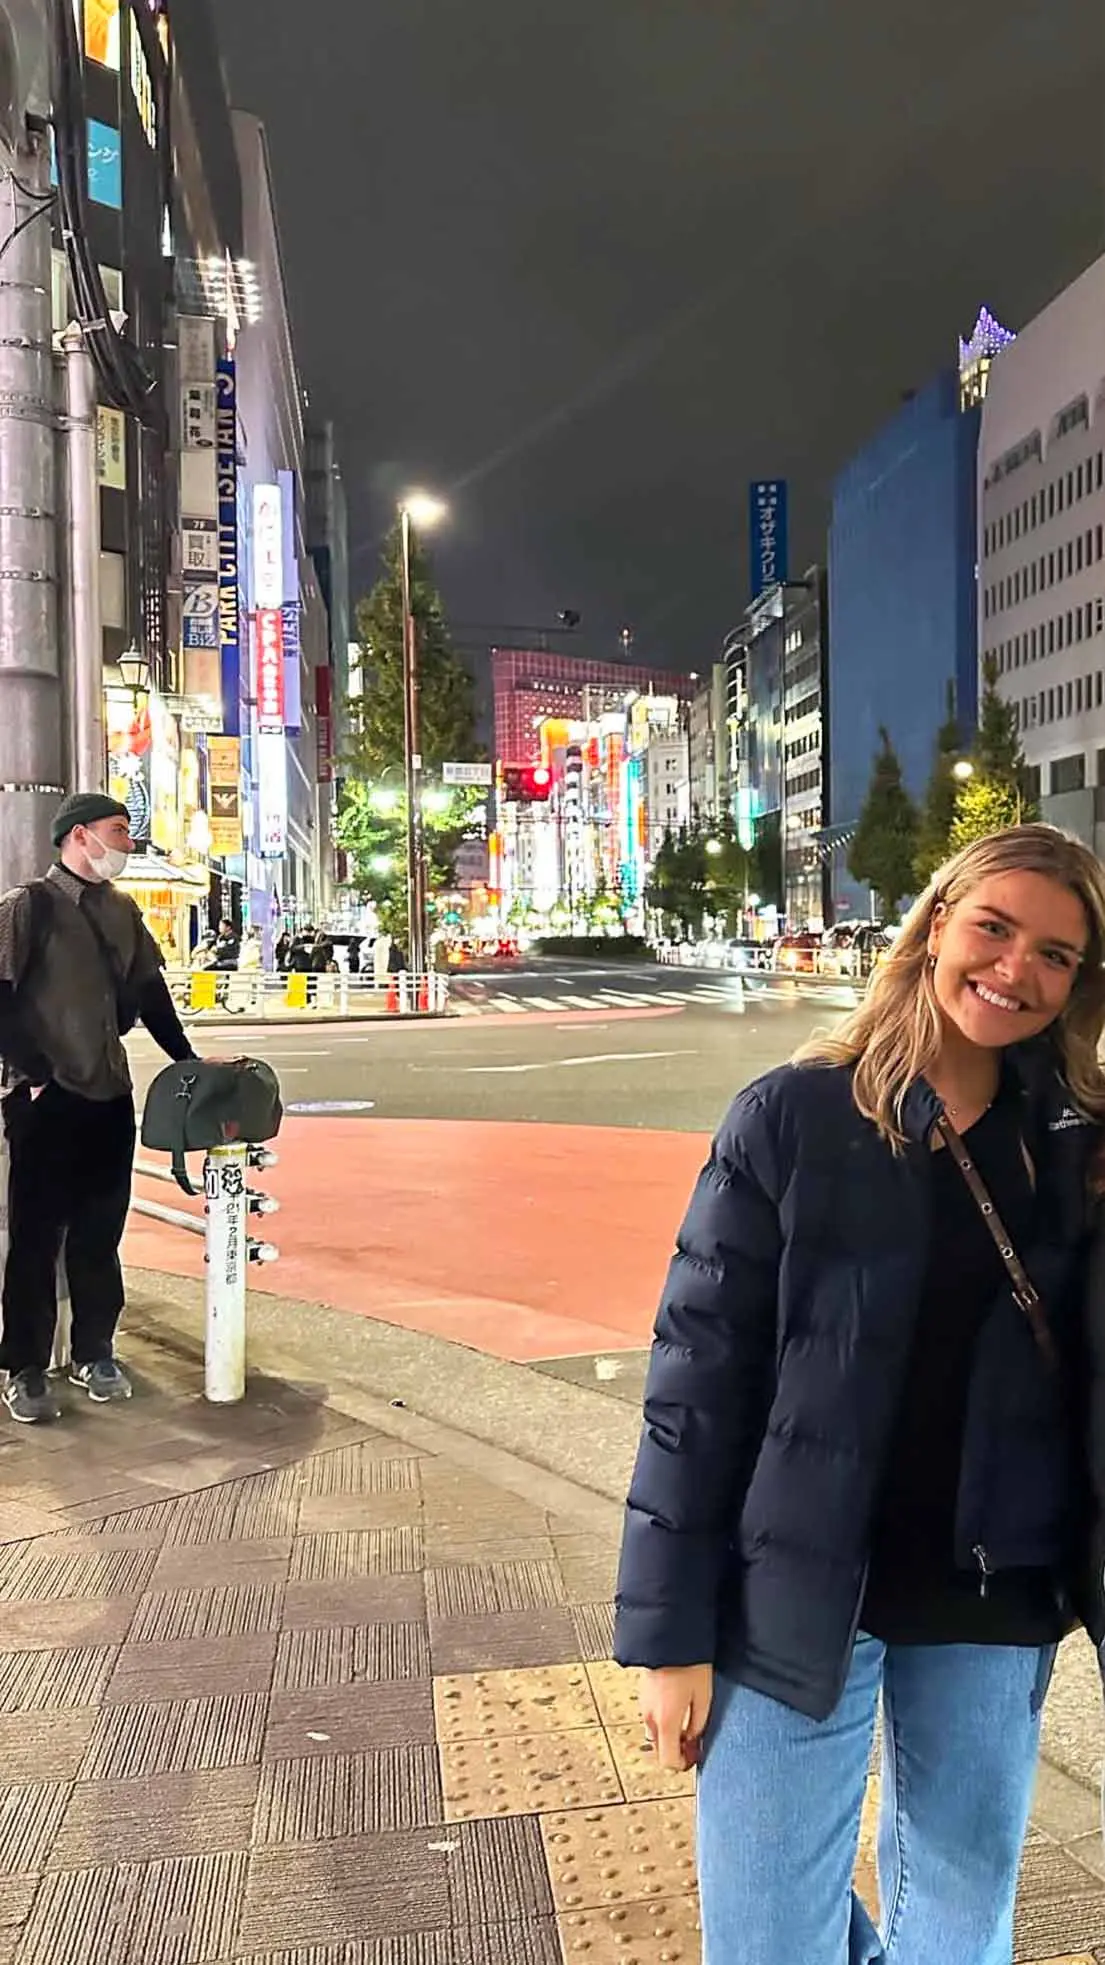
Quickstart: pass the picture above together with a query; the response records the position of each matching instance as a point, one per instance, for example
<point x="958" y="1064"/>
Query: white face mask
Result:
<point x="105" y="862"/>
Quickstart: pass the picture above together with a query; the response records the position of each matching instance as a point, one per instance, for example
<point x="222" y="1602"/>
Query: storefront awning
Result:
<point x="149" y="870"/>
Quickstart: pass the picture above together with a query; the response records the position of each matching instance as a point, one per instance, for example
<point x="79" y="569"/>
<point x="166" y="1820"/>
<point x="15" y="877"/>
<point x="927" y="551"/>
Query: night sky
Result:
<point x="587" y="266"/>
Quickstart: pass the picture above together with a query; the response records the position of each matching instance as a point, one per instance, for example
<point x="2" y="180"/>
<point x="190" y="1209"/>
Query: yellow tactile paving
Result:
<point x="635" y="1934"/>
<point x="527" y="1774"/>
<point x="602" y="1857"/>
<point x="639" y="1771"/>
<point x="615" y="1692"/>
<point x="483" y="1705"/>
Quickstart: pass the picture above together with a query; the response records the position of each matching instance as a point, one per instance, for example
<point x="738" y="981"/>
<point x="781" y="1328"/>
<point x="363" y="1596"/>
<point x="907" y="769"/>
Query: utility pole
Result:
<point x="412" y="764"/>
<point x="79" y="569"/>
<point x="32" y="779"/>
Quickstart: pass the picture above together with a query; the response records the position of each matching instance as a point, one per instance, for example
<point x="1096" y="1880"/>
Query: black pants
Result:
<point x="71" y="1161"/>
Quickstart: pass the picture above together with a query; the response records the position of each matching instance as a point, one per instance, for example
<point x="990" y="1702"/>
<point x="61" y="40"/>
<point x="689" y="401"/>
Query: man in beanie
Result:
<point x="78" y="967"/>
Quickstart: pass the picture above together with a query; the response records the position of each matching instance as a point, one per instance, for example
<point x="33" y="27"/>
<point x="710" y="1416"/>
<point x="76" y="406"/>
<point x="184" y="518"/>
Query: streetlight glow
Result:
<point x="435" y="800"/>
<point x="963" y="770"/>
<point x="423" y="510"/>
<point x="380" y="863"/>
<point x="713" y="846"/>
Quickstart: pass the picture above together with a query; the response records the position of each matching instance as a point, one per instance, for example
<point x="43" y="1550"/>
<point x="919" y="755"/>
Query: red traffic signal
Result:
<point x="526" y="784"/>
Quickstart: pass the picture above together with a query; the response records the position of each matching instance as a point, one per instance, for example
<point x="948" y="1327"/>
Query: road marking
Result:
<point x="560" y="1064"/>
<point x="620" y="996"/>
<point x="580" y="1003"/>
<point x="544" y="1003"/>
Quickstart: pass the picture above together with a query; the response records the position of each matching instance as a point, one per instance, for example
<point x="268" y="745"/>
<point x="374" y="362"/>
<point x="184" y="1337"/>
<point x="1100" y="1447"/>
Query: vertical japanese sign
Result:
<point x="324" y="724"/>
<point x="767" y="520"/>
<point x="226" y="465"/>
<point x="224" y="774"/>
<point x="293" y="696"/>
<point x="268" y="598"/>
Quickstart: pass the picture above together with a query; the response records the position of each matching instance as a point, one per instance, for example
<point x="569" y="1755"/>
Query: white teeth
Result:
<point x="991" y="996"/>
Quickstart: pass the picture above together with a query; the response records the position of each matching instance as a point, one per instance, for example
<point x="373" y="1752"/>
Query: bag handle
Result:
<point x="1025" y="1294"/>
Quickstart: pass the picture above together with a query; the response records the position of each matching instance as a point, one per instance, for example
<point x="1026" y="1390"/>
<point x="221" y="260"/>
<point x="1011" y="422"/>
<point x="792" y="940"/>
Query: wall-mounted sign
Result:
<point x="200" y="721"/>
<point x="269" y="642"/>
<point x="111" y="449"/>
<point x="195" y="348"/>
<point x="201" y="613"/>
<point x="197" y="415"/>
<point x="203" y="676"/>
<point x="224" y="792"/>
<point x="101" y="31"/>
<point x="226" y="458"/>
<point x="467" y="774"/>
<point x="324" y="724"/>
<point x="268" y="547"/>
<point x="767" y="519"/>
<point x="272" y="797"/>
<point x="105" y="165"/>
<point x="199" y="541"/>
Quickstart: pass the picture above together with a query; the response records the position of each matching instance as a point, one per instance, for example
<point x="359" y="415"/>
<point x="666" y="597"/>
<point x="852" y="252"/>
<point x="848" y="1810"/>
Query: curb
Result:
<point x="564" y="1446"/>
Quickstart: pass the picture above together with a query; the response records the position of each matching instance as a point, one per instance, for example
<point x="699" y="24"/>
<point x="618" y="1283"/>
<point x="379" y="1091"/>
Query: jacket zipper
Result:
<point x="983" y="1562"/>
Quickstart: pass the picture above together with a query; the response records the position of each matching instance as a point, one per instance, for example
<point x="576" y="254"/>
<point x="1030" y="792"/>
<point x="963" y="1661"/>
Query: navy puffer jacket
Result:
<point x="777" y="1371"/>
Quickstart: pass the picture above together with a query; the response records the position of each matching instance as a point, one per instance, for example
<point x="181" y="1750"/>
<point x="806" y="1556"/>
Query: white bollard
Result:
<point x="227" y="1257"/>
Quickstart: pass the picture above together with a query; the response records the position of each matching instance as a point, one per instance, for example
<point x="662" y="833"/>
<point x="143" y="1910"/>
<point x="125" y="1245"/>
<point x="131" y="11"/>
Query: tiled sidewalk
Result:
<point x="275" y="1688"/>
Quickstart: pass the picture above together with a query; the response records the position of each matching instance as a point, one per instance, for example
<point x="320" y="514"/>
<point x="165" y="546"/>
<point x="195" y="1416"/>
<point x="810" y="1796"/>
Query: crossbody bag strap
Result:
<point x="1025" y="1294"/>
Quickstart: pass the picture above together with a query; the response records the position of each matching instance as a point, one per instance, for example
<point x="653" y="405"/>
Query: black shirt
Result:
<point x="915" y="1592"/>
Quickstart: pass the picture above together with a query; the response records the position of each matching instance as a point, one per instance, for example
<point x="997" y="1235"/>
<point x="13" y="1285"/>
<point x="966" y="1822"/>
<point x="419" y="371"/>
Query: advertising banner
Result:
<point x="293" y="692"/>
<point x="272" y="797"/>
<point x="268" y="548"/>
<point x="767" y="521"/>
<point x="226" y="457"/>
<point x="128" y="738"/>
<point x="200" y="612"/>
<point x="324" y="724"/>
<point x="199" y="546"/>
<point x="111" y="448"/>
<point x="197" y="415"/>
<point x="269" y="641"/>
<point x="224" y="774"/>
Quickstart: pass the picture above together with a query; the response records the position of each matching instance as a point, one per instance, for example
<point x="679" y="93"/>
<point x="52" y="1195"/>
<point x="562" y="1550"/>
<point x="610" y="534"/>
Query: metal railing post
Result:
<point x="227" y="1258"/>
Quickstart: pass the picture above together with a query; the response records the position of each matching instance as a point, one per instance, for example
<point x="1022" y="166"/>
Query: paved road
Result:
<point x="647" y="1064"/>
<point x="511" y="1182"/>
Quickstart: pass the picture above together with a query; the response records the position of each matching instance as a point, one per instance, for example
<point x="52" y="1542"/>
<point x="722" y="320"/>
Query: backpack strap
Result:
<point x="183" y="1098"/>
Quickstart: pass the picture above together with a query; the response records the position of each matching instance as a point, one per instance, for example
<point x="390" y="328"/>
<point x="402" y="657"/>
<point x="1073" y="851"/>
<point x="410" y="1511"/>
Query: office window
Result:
<point x="1051" y="501"/>
<point x="1051" y="636"/>
<point x="1100" y="469"/>
<point x="1069" y="773"/>
<point x="1098" y="541"/>
<point x="1079" y="550"/>
<point x="1070" y="626"/>
<point x="1098" y="680"/>
<point x="1051" y="705"/>
<point x="1051" y="569"/>
<point x="1070" y="487"/>
<point x="1099" y="615"/>
<point x="1068" y="695"/>
<point x="1078" y="695"/>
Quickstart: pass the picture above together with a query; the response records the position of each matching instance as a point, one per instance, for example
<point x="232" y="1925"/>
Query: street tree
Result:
<point x="884" y="849"/>
<point x="726" y="873"/>
<point x="447" y="710"/>
<point x="372" y="830"/>
<point x="997" y="793"/>
<point x="938" y="810"/>
<point x="676" y="887"/>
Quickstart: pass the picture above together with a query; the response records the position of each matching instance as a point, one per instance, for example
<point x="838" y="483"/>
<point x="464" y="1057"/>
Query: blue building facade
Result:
<point x="902" y="602"/>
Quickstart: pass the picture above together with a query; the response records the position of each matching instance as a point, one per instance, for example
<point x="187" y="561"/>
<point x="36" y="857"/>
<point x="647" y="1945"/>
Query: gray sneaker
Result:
<point x="29" y="1399"/>
<point x="104" y="1381"/>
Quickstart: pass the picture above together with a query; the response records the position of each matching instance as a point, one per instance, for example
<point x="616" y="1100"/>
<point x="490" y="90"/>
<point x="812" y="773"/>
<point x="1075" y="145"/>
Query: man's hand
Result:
<point x="675" y="1705"/>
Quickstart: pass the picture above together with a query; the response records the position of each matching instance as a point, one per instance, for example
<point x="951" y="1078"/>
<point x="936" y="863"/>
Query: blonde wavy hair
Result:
<point x="894" y="1037"/>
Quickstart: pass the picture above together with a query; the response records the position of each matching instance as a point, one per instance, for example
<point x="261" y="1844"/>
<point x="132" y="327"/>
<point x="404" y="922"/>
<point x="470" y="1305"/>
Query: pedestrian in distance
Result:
<point x="78" y="968"/>
<point x="862" y="1473"/>
<point x="251" y="957"/>
<point x="228" y="947"/>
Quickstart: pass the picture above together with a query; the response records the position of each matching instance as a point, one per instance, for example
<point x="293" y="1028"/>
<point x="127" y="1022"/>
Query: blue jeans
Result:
<point x="779" y="1800"/>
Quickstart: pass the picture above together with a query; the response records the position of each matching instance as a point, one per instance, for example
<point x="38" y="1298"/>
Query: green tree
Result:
<point x="726" y="873"/>
<point x="447" y="713"/>
<point x="372" y="828"/>
<point x="998" y="792"/>
<point x="676" y="887"/>
<point x="938" y="810"/>
<point x="883" y="851"/>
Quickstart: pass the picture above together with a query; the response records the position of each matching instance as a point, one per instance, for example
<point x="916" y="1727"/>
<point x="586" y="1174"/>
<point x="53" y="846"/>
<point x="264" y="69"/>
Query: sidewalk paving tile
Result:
<point x="348" y="1718"/>
<point x="177" y="1912"/>
<point x="176" y="1737"/>
<point x="331" y="1701"/>
<point x="156" y="1817"/>
<point x="329" y="1796"/>
<point x="345" y="1653"/>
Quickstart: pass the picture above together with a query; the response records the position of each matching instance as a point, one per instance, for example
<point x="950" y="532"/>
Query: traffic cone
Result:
<point x="393" y="996"/>
<point x="424" y="993"/>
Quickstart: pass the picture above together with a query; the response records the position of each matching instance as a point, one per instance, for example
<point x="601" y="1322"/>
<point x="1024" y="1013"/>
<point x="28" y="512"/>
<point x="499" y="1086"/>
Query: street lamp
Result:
<point x="135" y="671"/>
<point x="417" y="509"/>
<point x="963" y="770"/>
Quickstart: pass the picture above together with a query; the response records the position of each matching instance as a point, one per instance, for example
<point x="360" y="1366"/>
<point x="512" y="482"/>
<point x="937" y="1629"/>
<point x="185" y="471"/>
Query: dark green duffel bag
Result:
<point x="202" y="1103"/>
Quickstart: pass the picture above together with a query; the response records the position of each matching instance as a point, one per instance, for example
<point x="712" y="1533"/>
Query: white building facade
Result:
<point x="1041" y="535"/>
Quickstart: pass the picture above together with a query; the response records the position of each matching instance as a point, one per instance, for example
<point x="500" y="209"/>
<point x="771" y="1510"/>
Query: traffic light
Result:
<point x="526" y="784"/>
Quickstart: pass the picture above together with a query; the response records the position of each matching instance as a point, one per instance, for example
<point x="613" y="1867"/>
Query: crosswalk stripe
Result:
<point x="544" y="1002"/>
<point x="580" y="1003"/>
<point x="621" y="996"/>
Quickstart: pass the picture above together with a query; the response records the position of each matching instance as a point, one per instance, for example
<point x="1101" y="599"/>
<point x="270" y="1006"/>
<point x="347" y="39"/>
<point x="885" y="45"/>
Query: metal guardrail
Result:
<point x="259" y="993"/>
<point x="228" y="1205"/>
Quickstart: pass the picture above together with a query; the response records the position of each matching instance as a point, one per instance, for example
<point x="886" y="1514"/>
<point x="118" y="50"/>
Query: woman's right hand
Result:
<point x="675" y="1705"/>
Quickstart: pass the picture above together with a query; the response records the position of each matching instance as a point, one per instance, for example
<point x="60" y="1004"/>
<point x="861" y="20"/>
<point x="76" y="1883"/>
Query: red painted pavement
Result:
<point x="525" y="1241"/>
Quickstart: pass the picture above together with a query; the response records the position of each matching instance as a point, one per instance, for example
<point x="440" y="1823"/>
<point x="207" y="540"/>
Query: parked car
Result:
<point x="797" y="955"/>
<point x="853" y="949"/>
<point x="745" y="956"/>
